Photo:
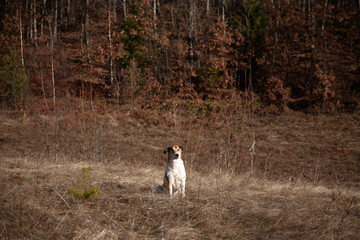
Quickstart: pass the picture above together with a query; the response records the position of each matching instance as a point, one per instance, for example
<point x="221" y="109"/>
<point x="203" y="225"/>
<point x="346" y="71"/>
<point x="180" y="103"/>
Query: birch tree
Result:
<point x="52" y="64"/>
<point x="21" y="39"/>
<point x="34" y="22"/>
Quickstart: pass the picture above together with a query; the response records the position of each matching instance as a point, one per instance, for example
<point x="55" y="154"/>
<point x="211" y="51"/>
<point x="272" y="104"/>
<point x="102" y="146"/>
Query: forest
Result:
<point x="299" y="55"/>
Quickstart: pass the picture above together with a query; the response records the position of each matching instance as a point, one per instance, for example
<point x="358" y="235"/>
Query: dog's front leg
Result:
<point x="171" y="188"/>
<point x="183" y="189"/>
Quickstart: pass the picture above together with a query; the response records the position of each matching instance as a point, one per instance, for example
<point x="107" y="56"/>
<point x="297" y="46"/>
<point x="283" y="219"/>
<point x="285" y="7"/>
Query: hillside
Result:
<point x="302" y="55"/>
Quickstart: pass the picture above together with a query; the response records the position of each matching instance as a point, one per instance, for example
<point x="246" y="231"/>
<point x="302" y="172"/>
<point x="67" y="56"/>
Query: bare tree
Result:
<point x="324" y="18"/>
<point x="67" y="14"/>
<point x="154" y="11"/>
<point x="247" y="24"/>
<point x="82" y="39"/>
<point x="55" y="18"/>
<point x="87" y="35"/>
<point x="359" y="30"/>
<point x="42" y="22"/>
<point x="192" y="31"/>
<point x="110" y="44"/>
<point x="207" y="8"/>
<point x="124" y="8"/>
<point x="52" y="60"/>
<point x="114" y="10"/>
<point x="223" y="10"/>
<point x="21" y="39"/>
<point x="34" y="21"/>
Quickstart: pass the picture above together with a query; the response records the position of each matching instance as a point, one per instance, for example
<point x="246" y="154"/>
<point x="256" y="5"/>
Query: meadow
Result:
<point x="86" y="174"/>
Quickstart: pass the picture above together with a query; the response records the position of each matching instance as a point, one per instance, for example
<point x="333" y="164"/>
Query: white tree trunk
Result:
<point x="207" y="8"/>
<point x="52" y="61"/>
<point x="21" y="40"/>
<point x="223" y="10"/>
<point x="35" y="22"/>
<point x="154" y="11"/>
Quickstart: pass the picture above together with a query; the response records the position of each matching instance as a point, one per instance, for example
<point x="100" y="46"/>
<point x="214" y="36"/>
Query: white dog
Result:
<point x="175" y="175"/>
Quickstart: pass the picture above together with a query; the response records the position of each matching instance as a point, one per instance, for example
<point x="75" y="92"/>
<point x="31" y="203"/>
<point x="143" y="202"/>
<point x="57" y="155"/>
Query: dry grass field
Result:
<point x="301" y="181"/>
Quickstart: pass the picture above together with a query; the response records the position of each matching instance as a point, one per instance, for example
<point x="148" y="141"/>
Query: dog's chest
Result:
<point x="176" y="170"/>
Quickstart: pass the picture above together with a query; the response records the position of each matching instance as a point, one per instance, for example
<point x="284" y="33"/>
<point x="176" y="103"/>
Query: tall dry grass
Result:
<point x="250" y="176"/>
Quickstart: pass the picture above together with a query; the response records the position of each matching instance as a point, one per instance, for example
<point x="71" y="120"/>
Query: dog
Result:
<point x="175" y="175"/>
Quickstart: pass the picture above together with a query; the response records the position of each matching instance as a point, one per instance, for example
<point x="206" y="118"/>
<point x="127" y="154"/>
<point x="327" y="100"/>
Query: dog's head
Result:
<point x="174" y="152"/>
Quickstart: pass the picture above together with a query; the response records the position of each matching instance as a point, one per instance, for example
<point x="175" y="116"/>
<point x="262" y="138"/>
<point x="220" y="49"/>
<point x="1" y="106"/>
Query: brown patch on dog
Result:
<point x="175" y="148"/>
<point x="166" y="182"/>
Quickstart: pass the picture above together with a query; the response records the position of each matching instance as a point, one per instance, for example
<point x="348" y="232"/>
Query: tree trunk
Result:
<point x="191" y="35"/>
<point x="114" y="10"/>
<point x="223" y="10"/>
<point x="359" y="30"/>
<point x="124" y="8"/>
<point x="87" y="35"/>
<point x="52" y="61"/>
<point x="276" y="39"/>
<point x="82" y="33"/>
<point x="55" y="19"/>
<point x="67" y="14"/>
<point x="247" y="22"/>
<point x="154" y="12"/>
<point x="207" y="8"/>
<point x="324" y="18"/>
<point x="42" y="21"/>
<point x="34" y="22"/>
<point x="110" y="45"/>
<point x="21" y="39"/>
<point x="43" y="89"/>
<point x="31" y="21"/>
<point x="323" y="34"/>
<point x="313" y="25"/>
<point x="172" y="16"/>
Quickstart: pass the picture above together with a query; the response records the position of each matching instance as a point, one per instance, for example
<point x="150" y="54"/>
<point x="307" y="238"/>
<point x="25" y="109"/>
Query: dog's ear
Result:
<point x="167" y="149"/>
<point x="181" y="147"/>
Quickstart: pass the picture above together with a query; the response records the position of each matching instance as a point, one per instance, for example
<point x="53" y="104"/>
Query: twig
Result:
<point x="61" y="197"/>
<point x="61" y="221"/>
<point x="103" y="232"/>
<point x="115" y="222"/>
